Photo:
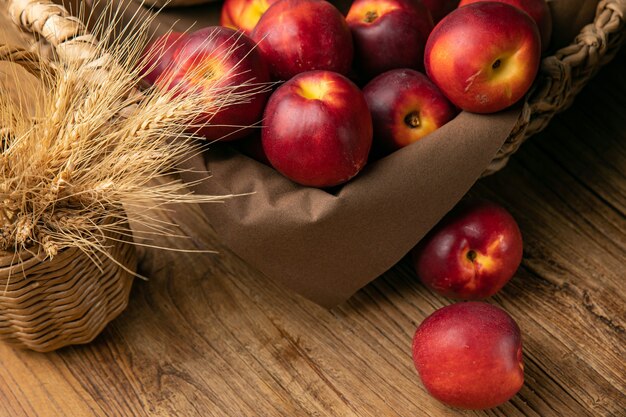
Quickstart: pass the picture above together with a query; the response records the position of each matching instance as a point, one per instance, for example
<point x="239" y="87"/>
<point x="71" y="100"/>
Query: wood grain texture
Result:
<point x="209" y="336"/>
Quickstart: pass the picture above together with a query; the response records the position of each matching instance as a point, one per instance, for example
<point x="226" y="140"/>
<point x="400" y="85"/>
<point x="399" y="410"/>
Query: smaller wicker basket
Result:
<point x="46" y="304"/>
<point x="49" y="304"/>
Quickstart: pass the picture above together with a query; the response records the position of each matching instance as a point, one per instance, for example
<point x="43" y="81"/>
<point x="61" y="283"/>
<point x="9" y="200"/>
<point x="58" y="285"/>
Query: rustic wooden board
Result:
<point x="209" y="336"/>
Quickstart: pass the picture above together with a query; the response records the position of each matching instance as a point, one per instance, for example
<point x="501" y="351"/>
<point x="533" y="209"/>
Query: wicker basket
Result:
<point x="46" y="304"/>
<point x="49" y="304"/>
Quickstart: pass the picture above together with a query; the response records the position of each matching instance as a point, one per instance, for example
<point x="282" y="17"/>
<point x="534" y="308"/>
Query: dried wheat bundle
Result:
<point x="96" y="145"/>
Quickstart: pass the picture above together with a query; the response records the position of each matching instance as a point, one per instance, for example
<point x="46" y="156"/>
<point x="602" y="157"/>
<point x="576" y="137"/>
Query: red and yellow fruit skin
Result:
<point x="388" y="34"/>
<point x="538" y="10"/>
<point x="304" y="35"/>
<point x="469" y="355"/>
<point x="317" y="129"/>
<point x="395" y="98"/>
<point x="472" y="253"/>
<point x="219" y="60"/>
<point x="156" y="57"/>
<point x="243" y="14"/>
<point x="484" y="56"/>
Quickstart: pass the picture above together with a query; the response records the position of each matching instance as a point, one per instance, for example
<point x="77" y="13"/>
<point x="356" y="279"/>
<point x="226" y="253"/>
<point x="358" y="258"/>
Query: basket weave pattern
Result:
<point x="48" y="304"/>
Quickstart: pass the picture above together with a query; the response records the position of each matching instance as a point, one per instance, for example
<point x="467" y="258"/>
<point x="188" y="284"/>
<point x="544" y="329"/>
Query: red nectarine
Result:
<point x="472" y="253"/>
<point x="388" y="34"/>
<point x="405" y="107"/>
<point x="157" y="56"/>
<point x="484" y="56"/>
<point x="303" y="35"/>
<point x="219" y="60"/>
<point x="469" y="355"/>
<point x="537" y="9"/>
<point x="243" y="14"/>
<point x="317" y="129"/>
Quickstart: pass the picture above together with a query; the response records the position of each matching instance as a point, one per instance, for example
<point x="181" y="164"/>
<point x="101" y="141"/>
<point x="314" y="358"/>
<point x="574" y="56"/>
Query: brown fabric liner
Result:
<point x="327" y="246"/>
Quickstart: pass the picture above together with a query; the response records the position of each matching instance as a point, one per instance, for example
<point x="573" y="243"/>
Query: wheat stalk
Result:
<point x="95" y="145"/>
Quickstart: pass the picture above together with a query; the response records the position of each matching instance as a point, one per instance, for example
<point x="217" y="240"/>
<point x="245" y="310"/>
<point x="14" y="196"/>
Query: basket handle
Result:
<point x="68" y="36"/>
<point x="70" y="39"/>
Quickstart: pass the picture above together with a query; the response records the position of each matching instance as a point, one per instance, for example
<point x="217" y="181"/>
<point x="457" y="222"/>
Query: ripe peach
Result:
<point x="388" y="34"/>
<point x="303" y="35"/>
<point x="484" y="56"/>
<point x="317" y="129"/>
<point x="469" y="355"/>
<point x="405" y="107"/>
<point x="472" y="253"/>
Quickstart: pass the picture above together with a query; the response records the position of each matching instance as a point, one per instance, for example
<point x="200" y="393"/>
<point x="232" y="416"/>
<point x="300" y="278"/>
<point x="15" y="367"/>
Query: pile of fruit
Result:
<point x="351" y="89"/>
<point x="329" y="93"/>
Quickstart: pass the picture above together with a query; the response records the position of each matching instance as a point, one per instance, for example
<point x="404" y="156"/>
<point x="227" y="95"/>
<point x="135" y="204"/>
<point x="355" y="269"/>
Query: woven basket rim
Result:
<point x="30" y="255"/>
<point x="29" y="60"/>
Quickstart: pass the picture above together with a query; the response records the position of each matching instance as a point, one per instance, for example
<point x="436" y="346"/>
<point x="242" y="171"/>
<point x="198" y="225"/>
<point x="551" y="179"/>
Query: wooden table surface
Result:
<point x="209" y="336"/>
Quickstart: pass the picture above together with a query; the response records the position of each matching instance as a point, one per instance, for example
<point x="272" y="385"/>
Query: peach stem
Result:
<point x="370" y="16"/>
<point x="412" y="119"/>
